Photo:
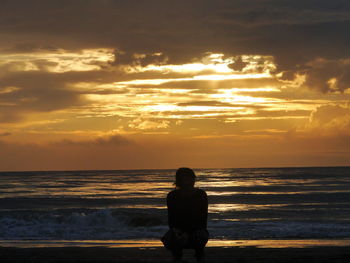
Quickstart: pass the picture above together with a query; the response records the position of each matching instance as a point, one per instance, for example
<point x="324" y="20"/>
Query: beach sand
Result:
<point x="213" y="254"/>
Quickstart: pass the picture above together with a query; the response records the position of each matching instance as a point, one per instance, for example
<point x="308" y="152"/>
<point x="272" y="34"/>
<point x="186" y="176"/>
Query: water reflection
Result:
<point x="219" y="208"/>
<point x="299" y="243"/>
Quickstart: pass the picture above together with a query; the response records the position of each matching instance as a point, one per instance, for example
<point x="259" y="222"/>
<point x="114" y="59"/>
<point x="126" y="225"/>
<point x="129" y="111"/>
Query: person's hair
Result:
<point x="185" y="178"/>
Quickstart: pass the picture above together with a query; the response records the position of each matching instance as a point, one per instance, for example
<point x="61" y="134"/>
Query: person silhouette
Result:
<point x="187" y="217"/>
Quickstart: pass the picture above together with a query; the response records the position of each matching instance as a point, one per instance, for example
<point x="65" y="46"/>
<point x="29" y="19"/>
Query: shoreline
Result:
<point x="158" y="255"/>
<point x="153" y="243"/>
<point x="142" y="251"/>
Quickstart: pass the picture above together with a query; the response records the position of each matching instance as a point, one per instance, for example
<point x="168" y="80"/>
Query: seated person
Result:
<point x="187" y="216"/>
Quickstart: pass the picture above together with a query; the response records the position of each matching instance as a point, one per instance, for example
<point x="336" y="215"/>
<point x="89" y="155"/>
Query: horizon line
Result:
<point x="150" y="169"/>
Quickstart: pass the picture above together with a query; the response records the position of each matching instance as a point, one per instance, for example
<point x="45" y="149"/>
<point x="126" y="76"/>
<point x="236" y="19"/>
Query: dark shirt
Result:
<point x="187" y="209"/>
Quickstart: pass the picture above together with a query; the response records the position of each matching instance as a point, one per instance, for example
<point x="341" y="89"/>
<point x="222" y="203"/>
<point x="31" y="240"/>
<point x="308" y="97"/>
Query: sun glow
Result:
<point x="192" y="67"/>
<point x="169" y="107"/>
<point x="232" y="97"/>
<point x="198" y="77"/>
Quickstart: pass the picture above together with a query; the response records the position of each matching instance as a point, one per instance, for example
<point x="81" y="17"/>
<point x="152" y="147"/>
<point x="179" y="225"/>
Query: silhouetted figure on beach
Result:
<point x="187" y="217"/>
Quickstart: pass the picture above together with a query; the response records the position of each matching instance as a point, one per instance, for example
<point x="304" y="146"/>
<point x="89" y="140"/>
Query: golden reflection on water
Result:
<point x="140" y="190"/>
<point x="149" y="186"/>
<point x="89" y="189"/>
<point x="299" y="243"/>
<point x="220" y="182"/>
<point x="218" y="208"/>
<point x="216" y="193"/>
<point x="279" y="243"/>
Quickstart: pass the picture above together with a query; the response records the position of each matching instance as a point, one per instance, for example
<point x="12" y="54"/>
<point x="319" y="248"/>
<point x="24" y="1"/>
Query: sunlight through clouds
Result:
<point x="221" y="82"/>
<point x="214" y="87"/>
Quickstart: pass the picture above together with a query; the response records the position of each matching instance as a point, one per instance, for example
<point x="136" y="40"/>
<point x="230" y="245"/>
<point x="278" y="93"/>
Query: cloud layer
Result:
<point x="99" y="74"/>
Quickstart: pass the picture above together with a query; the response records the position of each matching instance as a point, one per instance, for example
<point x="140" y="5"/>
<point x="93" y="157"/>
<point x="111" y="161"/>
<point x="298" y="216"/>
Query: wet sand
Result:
<point x="213" y="254"/>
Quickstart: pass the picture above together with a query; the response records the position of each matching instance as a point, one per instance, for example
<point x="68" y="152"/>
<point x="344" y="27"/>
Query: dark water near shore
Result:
<point x="262" y="203"/>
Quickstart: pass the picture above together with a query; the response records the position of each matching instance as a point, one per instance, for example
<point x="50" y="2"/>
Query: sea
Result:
<point x="128" y="207"/>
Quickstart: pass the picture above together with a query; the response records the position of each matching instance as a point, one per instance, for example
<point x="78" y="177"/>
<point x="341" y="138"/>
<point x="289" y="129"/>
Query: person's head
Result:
<point x="185" y="178"/>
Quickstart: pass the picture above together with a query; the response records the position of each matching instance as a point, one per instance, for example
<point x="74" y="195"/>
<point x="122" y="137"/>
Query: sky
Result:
<point x="112" y="84"/>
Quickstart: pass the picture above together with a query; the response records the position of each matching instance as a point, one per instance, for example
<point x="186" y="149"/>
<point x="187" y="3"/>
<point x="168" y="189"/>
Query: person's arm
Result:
<point x="171" y="210"/>
<point x="203" y="210"/>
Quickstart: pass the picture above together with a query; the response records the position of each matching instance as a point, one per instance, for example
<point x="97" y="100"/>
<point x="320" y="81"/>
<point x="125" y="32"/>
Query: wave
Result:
<point x="84" y="224"/>
<point x="47" y="202"/>
<point x="105" y="224"/>
<point x="278" y="230"/>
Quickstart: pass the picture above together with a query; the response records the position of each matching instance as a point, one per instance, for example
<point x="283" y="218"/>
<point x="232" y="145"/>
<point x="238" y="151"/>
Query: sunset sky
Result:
<point x="132" y="84"/>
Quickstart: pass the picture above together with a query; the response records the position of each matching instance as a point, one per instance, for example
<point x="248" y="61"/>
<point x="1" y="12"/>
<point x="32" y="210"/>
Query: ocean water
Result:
<point x="244" y="204"/>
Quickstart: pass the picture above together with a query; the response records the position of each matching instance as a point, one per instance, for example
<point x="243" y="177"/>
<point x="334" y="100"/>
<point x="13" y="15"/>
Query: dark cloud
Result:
<point x="238" y="65"/>
<point x="103" y="91"/>
<point x="328" y="75"/>
<point x="35" y="91"/>
<point x="293" y="31"/>
<point x="112" y="141"/>
<point x="66" y="155"/>
<point x="5" y="134"/>
<point x="40" y="91"/>
<point x="7" y="116"/>
<point x="257" y="13"/>
<point x="142" y="60"/>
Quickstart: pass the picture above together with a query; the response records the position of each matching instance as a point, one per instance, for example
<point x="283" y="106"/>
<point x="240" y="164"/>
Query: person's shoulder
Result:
<point x="201" y="192"/>
<point x="172" y="193"/>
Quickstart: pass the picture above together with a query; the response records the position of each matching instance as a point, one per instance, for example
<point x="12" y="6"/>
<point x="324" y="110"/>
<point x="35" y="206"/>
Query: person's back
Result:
<point x="187" y="216"/>
<point x="187" y="209"/>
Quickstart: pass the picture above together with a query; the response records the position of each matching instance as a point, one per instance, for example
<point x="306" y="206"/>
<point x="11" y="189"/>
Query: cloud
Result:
<point x="139" y="60"/>
<point x="141" y="124"/>
<point x="232" y="27"/>
<point x="255" y="13"/>
<point x="5" y="134"/>
<point x="331" y="119"/>
<point x="34" y="91"/>
<point x="164" y="151"/>
<point x="106" y="141"/>
<point x="58" y="61"/>
<point x="46" y="81"/>
<point x="212" y="85"/>
<point x="210" y="103"/>
<point x="328" y="75"/>
<point x="238" y="65"/>
<point x="106" y="153"/>
<point x="154" y="33"/>
<point x="67" y="63"/>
